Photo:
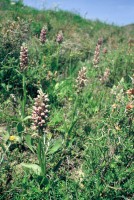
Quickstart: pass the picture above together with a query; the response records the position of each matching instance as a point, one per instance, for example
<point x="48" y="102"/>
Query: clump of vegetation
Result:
<point x="66" y="106"/>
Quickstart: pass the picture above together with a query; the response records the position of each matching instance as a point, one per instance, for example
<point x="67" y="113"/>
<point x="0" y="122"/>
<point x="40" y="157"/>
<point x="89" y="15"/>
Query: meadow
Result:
<point x="66" y="106"/>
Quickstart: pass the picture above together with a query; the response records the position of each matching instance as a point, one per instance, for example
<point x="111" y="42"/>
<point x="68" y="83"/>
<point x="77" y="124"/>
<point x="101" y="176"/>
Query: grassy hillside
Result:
<point x="66" y="106"/>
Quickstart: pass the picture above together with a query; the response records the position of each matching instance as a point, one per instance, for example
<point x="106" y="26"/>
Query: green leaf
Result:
<point x="28" y="141"/>
<point x="33" y="167"/>
<point x="41" y="156"/>
<point x="26" y="118"/>
<point x="20" y="128"/>
<point x="55" y="146"/>
<point x="57" y="165"/>
<point x="3" y="147"/>
<point x="71" y="128"/>
<point x="39" y="151"/>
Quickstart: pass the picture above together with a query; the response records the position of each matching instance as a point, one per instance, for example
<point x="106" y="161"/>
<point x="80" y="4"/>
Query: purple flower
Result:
<point x="40" y="110"/>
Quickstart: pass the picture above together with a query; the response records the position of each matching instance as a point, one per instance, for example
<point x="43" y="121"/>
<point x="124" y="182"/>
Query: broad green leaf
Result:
<point x="55" y="146"/>
<point x="20" y="128"/>
<point x="34" y="167"/>
<point x="28" y="141"/>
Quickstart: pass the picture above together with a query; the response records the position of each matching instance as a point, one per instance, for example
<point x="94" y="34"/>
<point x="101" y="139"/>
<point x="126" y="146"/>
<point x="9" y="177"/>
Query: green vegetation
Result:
<point x="66" y="106"/>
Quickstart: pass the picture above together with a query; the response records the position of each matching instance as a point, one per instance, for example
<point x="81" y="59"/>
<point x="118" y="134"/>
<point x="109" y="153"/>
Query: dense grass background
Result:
<point x="95" y="160"/>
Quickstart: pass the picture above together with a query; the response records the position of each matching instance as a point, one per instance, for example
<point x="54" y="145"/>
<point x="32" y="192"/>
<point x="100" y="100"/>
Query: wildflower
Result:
<point x="23" y="57"/>
<point x="130" y="92"/>
<point x="40" y="110"/>
<point x="13" y="98"/>
<point x="12" y="138"/>
<point x="59" y="38"/>
<point x="100" y="41"/>
<point x="43" y="35"/>
<point x="49" y="75"/>
<point x="81" y="79"/>
<point x="96" y="55"/>
<point x="129" y="106"/>
<point x="105" y="77"/>
<point x="97" y="52"/>
<point x="131" y="42"/>
<point x="118" y="91"/>
<point x="114" y="106"/>
<point x="104" y="50"/>
<point x="117" y="127"/>
<point x="14" y="102"/>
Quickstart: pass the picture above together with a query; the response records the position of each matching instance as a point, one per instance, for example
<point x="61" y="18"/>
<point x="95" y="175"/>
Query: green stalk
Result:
<point x="44" y="154"/>
<point x="41" y="153"/>
<point x="70" y="64"/>
<point x="58" y="53"/>
<point x="24" y="95"/>
<point x="69" y="131"/>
